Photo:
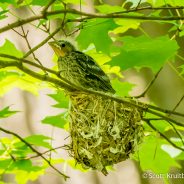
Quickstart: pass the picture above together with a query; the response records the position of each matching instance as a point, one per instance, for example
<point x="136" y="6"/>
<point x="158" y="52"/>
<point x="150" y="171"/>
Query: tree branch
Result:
<point x="150" y="8"/>
<point x="88" y="16"/>
<point x="61" y="82"/>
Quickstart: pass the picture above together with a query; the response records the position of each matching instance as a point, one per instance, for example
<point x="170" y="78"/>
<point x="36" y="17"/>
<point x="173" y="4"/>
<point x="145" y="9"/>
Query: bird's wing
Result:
<point x="93" y="71"/>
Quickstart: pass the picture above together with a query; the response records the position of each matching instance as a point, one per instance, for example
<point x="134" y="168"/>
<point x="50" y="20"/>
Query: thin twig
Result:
<point x="177" y="132"/>
<point x="158" y="119"/>
<point x="149" y="85"/>
<point x="43" y="153"/>
<point x="30" y="63"/>
<point x="34" y="150"/>
<point x="178" y="103"/>
<point x="44" y="11"/>
<point x="138" y="5"/>
<point x="166" y="111"/>
<point x="165" y="117"/>
<point x="25" y="36"/>
<point x="168" y="140"/>
<point x="7" y="149"/>
<point x="43" y="42"/>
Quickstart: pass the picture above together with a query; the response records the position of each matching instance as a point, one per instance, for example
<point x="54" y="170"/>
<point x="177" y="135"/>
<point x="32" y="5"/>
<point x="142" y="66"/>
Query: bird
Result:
<point x="79" y="68"/>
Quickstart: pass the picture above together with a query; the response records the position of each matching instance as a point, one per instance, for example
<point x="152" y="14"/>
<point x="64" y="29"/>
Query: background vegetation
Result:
<point x="138" y="43"/>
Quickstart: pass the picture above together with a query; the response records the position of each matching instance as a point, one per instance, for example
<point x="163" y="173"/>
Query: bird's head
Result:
<point x="61" y="47"/>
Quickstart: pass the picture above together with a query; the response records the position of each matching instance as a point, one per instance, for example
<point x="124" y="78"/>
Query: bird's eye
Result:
<point x="63" y="45"/>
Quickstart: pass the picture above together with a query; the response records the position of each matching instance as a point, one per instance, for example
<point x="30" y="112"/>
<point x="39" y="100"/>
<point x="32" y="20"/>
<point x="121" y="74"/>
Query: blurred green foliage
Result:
<point x="111" y="43"/>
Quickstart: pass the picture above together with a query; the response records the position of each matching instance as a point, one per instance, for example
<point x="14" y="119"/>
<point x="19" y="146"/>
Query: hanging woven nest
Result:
<point x="103" y="132"/>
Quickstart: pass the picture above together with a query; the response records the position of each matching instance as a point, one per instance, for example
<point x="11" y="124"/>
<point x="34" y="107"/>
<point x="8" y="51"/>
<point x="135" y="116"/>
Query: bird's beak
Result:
<point x="57" y="49"/>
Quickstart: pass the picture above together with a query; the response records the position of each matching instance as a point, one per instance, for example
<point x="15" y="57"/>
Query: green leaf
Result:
<point x="96" y="32"/>
<point x="61" y="99"/>
<point x="182" y="69"/>
<point x="100" y="58"/>
<point x="135" y="2"/>
<point x="180" y="156"/>
<point x="57" y="121"/>
<point x="6" y="112"/>
<point x="10" y="49"/>
<point x="75" y="1"/>
<point x="22" y="165"/>
<point x="161" y="125"/>
<point x="45" y="2"/>
<point x="5" y="163"/>
<point x="122" y="88"/>
<point x="22" y="177"/>
<point x="156" y="3"/>
<point x="8" y="1"/>
<point x="145" y="52"/>
<point x="2" y="14"/>
<point x="11" y="79"/>
<point x="24" y="171"/>
<point x="72" y="163"/>
<point x="39" y="140"/>
<point x="105" y="8"/>
<point x="163" y="3"/>
<point x="40" y="2"/>
<point x="112" y="70"/>
<point x="153" y="157"/>
<point x="126" y="24"/>
<point x="172" y="151"/>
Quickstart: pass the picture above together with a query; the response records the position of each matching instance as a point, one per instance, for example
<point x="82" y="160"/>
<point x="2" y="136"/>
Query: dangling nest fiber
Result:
<point x="103" y="132"/>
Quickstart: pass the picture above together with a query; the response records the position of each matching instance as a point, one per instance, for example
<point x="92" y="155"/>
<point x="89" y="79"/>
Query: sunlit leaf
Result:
<point x="72" y="163"/>
<point x="105" y="8"/>
<point x="9" y="48"/>
<point x="125" y="24"/>
<point x="74" y="1"/>
<point x="8" y="1"/>
<point x="40" y="2"/>
<point x="5" y="163"/>
<point x="112" y="70"/>
<point x="100" y="58"/>
<point x="22" y="177"/>
<point x="11" y="79"/>
<point x="163" y="3"/>
<point x="173" y="152"/>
